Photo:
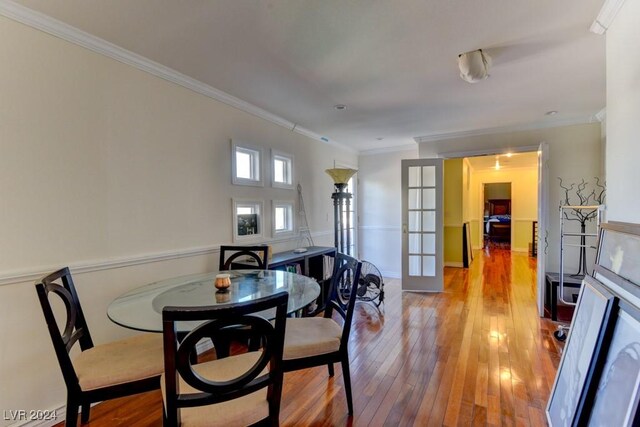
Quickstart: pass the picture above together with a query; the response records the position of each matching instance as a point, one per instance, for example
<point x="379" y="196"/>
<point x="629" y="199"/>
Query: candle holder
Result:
<point x="222" y="282"/>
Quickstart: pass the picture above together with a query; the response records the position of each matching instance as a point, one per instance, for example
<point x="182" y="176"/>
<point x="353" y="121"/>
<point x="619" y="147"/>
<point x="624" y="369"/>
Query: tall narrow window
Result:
<point x="281" y="169"/>
<point x="245" y="165"/>
<point x="350" y="219"/>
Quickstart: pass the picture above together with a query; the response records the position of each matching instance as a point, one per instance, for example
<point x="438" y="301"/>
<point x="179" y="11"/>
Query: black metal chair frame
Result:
<point x="178" y="353"/>
<point x="76" y="330"/>
<point x="259" y="253"/>
<point x="342" y="299"/>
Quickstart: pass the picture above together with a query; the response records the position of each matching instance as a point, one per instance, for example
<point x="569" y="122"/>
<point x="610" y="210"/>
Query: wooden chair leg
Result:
<point x="330" y="366"/>
<point x="86" y="411"/>
<point x="72" y="414"/>
<point x="347" y="383"/>
<point x="222" y="347"/>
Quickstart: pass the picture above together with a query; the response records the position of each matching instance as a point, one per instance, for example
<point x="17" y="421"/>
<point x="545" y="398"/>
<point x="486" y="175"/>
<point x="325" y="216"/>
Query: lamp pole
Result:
<point x="341" y="206"/>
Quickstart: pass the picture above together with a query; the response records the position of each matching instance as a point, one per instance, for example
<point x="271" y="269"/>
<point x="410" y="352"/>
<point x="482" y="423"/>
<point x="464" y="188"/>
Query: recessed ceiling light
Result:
<point x="509" y="154"/>
<point x="551" y="113"/>
<point x="340" y="107"/>
<point x="379" y="138"/>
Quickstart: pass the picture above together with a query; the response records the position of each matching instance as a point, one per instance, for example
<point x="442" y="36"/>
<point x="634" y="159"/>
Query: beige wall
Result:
<point x="453" y="211"/>
<point x="380" y="207"/>
<point x="105" y="166"/>
<point x="623" y="110"/>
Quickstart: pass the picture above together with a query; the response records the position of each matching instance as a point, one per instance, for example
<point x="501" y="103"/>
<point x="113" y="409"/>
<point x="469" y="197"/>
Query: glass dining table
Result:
<point x="141" y="308"/>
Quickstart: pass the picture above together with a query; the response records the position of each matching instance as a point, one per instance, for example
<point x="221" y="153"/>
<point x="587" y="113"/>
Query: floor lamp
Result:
<point x="341" y="203"/>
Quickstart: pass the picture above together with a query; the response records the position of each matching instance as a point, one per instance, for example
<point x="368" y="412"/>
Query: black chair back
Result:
<point x="75" y="328"/>
<point x="342" y="295"/>
<point x="218" y="320"/>
<point x="258" y="253"/>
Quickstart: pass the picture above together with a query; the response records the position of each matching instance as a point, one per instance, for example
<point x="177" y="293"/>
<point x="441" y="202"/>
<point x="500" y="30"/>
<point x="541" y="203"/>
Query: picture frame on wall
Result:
<point x="619" y="250"/>
<point x="248" y="220"/>
<point x="583" y="349"/>
<point x="617" y="392"/>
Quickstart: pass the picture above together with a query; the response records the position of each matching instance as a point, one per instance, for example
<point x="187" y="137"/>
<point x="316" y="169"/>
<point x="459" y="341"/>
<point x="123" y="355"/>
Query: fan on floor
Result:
<point x="370" y="284"/>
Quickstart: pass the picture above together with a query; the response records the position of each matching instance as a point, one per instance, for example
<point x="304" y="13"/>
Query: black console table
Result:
<point x="309" y="263"/>
<point x="552" y="283"/>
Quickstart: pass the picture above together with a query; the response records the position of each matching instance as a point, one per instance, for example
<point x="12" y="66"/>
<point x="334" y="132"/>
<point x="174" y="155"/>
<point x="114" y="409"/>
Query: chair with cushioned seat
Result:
<point x="238" y="390"/>
<point x="102" y="372"/>
<point x="316" y="341"/>
<point x="257" y="254"/>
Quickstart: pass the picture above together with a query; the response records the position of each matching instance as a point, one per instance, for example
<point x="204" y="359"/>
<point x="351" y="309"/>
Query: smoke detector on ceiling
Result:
<point x="474" y="66"/>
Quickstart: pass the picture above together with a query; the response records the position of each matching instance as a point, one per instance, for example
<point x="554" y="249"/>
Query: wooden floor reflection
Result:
<point x="475" y="354"/>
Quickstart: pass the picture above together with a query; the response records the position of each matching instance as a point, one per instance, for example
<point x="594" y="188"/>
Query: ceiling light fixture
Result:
<point x="509" y="154"/>
<point x="340" y="107"/>
<point x="497" y="164"/>
<point x="474" y="66"/>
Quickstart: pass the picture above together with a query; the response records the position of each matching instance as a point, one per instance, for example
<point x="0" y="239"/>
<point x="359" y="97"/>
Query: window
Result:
<point x="247" y="220"/>
<point x="281" y="169"/>
<point x="282" y="218"/>
<point x="349" y="217"/>
<point x="245" y="164"/>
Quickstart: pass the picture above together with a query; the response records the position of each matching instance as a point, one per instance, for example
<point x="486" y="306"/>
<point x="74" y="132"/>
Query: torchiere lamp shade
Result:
<point x="340" y="175"/>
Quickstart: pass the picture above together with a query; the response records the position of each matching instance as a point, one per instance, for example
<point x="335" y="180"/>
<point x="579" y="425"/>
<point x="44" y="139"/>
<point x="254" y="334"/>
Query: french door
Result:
<point x="422" y="225"/>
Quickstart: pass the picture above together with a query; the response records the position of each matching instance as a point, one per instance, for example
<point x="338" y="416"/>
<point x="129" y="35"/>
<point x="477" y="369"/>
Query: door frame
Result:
<point x="543" y="209"/>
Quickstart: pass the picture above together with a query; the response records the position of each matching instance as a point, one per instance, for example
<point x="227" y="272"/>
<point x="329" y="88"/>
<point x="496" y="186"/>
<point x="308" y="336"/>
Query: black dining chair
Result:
<point x="254" y="254"/>
<point x="316" y="341"/>
<point x="101" y="372"/>
<point x="238" y="390"/>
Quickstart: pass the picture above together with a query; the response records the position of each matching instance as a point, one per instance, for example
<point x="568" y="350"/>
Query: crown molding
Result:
<point x="76" y="36"/>
<point x="504" y="129"/>
<point x="606" y="16"/>
<point x="386" y="150"/>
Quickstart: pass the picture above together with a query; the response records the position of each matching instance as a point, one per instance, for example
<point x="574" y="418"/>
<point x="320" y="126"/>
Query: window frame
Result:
<point x="257" y="155"/>
<point x="289" y="158"/>
<point x="292" y="220"/>
<point x="252" y="203"/>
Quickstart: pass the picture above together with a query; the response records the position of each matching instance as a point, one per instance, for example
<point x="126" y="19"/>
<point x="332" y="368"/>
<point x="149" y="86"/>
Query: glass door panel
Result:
<point x="422" y="224"/>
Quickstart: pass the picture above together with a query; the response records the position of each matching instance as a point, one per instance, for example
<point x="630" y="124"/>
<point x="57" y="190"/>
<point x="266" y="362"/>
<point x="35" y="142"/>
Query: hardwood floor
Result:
<point x="476" y="354"/>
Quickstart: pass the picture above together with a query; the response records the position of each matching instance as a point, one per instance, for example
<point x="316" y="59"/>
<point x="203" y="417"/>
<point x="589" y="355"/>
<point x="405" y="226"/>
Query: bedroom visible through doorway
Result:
<point x="497" y="215"/>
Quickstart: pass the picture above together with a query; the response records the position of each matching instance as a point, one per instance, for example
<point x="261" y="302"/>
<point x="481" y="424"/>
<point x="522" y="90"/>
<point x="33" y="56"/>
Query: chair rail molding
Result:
<point x="27" y="275"/>
<point x="57" y="28"/>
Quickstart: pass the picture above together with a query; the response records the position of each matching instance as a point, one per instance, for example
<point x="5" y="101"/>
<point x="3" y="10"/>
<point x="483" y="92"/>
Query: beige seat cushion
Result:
<point x="120" y="362"/>
<point x="243" y="411"/>
<point x="309" y="336"/>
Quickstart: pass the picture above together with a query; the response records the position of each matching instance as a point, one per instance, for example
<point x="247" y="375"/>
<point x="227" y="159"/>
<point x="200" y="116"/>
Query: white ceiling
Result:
<point x="393" y="63"/>
<point x="515" y="161"/>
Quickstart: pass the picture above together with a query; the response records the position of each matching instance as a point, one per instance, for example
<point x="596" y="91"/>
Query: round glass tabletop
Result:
<point x="141" y="308"/>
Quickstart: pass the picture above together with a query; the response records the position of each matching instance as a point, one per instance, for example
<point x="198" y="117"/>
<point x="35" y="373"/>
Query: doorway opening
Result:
<point x="496" y="225"/>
